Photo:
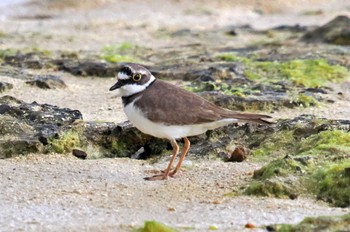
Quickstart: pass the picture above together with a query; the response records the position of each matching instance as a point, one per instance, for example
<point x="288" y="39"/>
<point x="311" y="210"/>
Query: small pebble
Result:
<point x="79" y="154"/>
<point x="249" y="225"/>
<point x="238" y="154"/>
<point x="216" y="202"/>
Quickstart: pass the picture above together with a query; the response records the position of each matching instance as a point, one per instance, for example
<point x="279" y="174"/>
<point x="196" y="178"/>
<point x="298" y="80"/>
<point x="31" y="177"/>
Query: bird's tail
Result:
<point x="257" y="118"/>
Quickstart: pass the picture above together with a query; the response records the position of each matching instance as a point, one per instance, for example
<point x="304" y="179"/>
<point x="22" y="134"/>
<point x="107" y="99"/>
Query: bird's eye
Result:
<point x="137" y="77"/>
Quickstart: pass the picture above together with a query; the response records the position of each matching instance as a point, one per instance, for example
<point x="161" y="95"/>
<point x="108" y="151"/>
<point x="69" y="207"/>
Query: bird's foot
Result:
<point x="172" y="174"/>
<point x="162" y="176"/>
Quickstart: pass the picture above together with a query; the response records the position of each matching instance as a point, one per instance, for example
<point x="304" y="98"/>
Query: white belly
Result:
<point x="138" y="119"/>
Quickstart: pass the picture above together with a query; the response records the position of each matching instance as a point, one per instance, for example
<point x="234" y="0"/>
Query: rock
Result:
<point x="122" y="140"/>
<point x="79" y="154"/>
<point x="235" y="154"/>
<point x="171" y="72"/>
<point x="336" y="31"/>
<point x="15" y="72"/>
<point x="268" y="102"/>
<point x="242" y="83"/>
<point x="294" y="28"/>
<point x="86" y="67"/>
<point x="30" y="60"/>
<point x="4" y="86"/>
<point x="47" y="82"/>
<point x="322" y="223"/>
<point x="10" y="146"/>
<point x="181" y="32"/>
<point x="238" y="154"/>
<point x="202" y="72"/>
<point x="38" y="60"/>
<point x="26" y="128"/>
<point x="304" y="152"/>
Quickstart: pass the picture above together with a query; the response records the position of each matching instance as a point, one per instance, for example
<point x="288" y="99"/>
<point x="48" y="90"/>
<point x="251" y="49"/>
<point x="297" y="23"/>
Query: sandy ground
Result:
<point x="55" y="193"/>
<point x="61" y="193"/>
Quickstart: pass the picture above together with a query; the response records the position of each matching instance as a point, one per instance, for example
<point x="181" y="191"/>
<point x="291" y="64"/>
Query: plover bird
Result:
<point x="163" y="110"/>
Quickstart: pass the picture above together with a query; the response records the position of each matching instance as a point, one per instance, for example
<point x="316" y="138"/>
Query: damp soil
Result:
<point x="54" y="192"/>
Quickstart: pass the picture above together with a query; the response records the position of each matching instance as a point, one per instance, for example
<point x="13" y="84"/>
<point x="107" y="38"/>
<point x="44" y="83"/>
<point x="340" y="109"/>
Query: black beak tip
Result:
<point x="114" y="87"/>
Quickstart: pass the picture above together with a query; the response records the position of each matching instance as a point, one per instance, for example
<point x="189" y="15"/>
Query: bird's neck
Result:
<point x="131" y="98"/>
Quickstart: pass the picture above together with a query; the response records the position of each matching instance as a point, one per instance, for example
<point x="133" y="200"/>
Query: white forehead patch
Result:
<point x="122" y="76"/>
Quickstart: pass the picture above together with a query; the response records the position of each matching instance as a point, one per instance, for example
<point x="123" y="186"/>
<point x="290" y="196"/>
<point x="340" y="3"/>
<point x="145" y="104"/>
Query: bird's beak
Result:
<point x="115" y="86"/>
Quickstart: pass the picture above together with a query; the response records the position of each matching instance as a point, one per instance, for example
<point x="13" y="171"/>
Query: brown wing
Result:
<point x="174" y="105"/>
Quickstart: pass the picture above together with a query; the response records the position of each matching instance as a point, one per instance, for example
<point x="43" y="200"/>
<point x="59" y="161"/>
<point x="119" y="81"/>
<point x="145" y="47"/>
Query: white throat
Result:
<point x="131" y="89"/>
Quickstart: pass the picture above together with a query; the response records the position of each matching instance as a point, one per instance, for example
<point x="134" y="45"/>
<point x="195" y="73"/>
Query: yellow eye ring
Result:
<point x="137" y="77"/>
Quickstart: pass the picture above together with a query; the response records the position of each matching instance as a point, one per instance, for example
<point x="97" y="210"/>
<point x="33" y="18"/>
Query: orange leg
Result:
<point x="165" y="174"/>
<point x="182" y="157"/>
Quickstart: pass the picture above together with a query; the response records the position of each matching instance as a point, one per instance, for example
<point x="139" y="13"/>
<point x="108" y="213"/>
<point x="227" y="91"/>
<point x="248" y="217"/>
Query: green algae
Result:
<point x="268" y="188"/>
<point x="332" y="183"/>
<point x="65" y="142"/>
<point x="7" y="52"/>
<point x="289" y="142"/>
<point x="213" y="227"/>
<point x="118" y="147"/>
<point x="317" y="163"/>
<point x="278" y="167"/>
<point x="326" y="143"/>
<point x="306" y="101"/>
<point x="312" y="73"/>
<point x="270" y="85"/>
<point x="118" y="53"/>
<point x="322" y="223"/>
<point x="277" y="144"/>
<point x="154" y="226"/>
<point x="233" y="57"/>
<point x="307" y="73"/>
<point x="44" y="52"/>
<point x="12" y="52"/>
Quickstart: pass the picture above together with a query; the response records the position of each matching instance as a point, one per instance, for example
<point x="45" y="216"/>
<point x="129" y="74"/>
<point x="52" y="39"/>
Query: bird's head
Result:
<point x="132" y="79"/>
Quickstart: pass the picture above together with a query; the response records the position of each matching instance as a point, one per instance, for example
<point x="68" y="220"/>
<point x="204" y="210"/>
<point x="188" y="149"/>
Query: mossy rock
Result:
<point x="334" y="32"/>
<point x="326" y="143"/>
<point x="269" y="188"/>
<point x="332" y="183"/>
<point x="65" y="142"/>
<point x="315" y="160"/>
<point x="309" y="73"/>
<point x="242" y="83"/>
<point x="315" y="224"/>
<point x="279" y="167"/>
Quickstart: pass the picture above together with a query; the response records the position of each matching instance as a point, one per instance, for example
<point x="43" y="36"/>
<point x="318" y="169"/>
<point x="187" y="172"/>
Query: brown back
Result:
<point x="172" y="105"/>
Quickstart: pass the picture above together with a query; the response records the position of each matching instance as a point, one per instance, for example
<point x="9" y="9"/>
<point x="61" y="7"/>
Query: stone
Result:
<point x="30" y="60"/>
<point x="27" y="127"/>
<point x="122" y="140"/>
<point x="47" y="82"/>
<point x="238" y="154"/>
<point x="79" y="154"/>
<point x="336" y="31"/>
<point x="86" y="67"/>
